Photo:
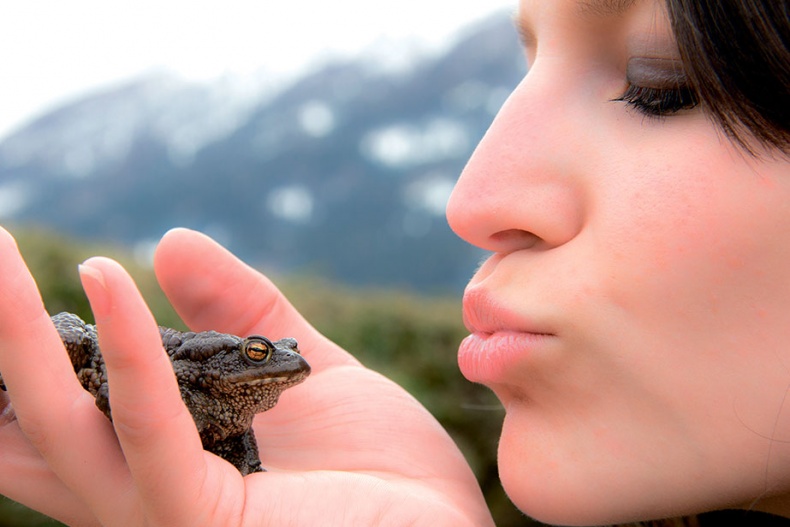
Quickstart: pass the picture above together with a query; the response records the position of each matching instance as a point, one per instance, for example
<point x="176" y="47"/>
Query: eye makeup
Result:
<point x="657" y="87"/>
<point x="657" y="73"/>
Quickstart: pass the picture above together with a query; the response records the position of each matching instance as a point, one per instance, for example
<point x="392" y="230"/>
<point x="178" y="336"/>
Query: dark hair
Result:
<point x="736" y="56"/>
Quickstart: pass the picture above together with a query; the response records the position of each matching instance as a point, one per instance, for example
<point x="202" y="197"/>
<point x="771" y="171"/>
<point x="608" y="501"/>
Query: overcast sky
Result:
<point x="52" y="50"/>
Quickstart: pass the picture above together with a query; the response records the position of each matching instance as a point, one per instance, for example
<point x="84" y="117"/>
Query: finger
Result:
<point x="27" y="478"/>
<point x="156" y="431"/>
<point x="212" y="289"/>
<point x="58" y="417"/>
<point x="23" y="320"/>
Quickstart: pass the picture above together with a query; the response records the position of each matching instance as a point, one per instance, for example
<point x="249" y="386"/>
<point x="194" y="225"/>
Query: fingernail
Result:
<point x="96" y="288"/>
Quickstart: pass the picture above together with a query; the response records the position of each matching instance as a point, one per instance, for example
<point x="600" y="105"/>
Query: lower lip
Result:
<point x="489" y="358"/>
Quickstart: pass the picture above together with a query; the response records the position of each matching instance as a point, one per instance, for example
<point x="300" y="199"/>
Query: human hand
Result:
<point x="347" y="447"/>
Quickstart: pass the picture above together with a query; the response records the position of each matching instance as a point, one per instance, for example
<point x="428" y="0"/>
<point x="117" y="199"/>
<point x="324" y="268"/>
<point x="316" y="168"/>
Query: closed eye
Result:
<point x="658" y="87"/>
<point x="659" y="102"/>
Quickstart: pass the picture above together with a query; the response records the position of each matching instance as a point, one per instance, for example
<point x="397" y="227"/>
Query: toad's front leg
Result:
<point x="240" y="450"/>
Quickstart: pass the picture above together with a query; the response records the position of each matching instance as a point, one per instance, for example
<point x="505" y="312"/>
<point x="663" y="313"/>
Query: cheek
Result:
<point x="693" y="234"/>
<point x="674" y="379"/>
<point x="691" y="272"/>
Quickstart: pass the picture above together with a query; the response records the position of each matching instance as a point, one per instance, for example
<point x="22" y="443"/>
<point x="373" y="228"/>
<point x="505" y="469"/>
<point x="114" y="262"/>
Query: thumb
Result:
<point x="212" y="289"/>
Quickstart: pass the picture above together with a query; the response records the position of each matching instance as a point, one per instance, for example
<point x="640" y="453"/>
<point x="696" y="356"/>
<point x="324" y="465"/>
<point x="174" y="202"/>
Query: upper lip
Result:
<point x="483" y="313"/>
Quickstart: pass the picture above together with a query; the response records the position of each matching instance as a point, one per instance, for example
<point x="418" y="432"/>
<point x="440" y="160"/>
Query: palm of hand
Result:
<point x="348" y="447"/>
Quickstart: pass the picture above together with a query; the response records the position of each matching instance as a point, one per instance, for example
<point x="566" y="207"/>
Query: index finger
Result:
<point x="173" y="475"/>
<point x="23" y="319"/>
<point x="57" y="415"/>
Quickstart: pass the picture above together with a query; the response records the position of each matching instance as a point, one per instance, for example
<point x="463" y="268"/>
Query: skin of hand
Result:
<point x="347" y="447"/>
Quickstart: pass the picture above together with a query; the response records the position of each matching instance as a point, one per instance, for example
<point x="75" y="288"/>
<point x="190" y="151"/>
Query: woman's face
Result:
<point x="634" y="318"/>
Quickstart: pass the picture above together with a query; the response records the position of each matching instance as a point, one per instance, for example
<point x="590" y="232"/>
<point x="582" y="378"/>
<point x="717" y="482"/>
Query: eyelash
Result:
<point x="659" y="102"/>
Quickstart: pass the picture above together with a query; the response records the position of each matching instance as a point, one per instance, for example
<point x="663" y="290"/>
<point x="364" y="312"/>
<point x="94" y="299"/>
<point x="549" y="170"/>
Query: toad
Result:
<point x="224" y="380"/>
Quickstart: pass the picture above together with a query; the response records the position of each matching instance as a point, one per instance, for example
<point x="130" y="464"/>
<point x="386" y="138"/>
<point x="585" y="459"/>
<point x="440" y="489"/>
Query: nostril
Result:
<point x="513" y="239"/>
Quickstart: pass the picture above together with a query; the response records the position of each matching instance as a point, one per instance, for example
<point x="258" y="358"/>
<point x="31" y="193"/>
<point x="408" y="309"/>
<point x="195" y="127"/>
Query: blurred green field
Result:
<point x="410" y="338"/>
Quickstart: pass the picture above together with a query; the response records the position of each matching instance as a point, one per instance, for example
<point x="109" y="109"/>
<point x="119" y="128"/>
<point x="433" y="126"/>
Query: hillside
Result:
<point x="344" y="172"/>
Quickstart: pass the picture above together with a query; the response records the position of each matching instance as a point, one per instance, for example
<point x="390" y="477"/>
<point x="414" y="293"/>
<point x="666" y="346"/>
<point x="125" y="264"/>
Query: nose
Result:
<point x="520" y="188"/>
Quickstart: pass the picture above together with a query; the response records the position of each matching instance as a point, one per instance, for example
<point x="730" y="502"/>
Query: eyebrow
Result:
<point x="586" y="8"/>
<point x="605" y="7"/>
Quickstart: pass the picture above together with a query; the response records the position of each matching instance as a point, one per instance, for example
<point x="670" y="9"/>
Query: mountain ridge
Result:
<point x="343" y="172"/>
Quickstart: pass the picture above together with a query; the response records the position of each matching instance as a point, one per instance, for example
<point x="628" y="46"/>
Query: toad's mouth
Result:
<point x="249" y="379"/>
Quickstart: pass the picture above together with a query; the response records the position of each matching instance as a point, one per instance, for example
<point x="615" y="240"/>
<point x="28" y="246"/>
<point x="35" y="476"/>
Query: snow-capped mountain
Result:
<point x="344" y="171"/>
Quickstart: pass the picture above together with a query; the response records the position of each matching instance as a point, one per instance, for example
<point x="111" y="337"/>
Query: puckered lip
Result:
<point x="502" y="342"/>
<point x="484" y="314"/>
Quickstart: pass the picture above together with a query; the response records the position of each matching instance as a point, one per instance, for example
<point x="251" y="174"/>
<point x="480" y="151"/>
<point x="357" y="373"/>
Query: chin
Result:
<point x="554" y="483"/>
<point x="534" y="470"/>
<point x="539" y="492"/>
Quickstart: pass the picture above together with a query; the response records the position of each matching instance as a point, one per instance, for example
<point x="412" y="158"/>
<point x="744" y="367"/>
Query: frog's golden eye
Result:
<point x="258" y="350"/>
